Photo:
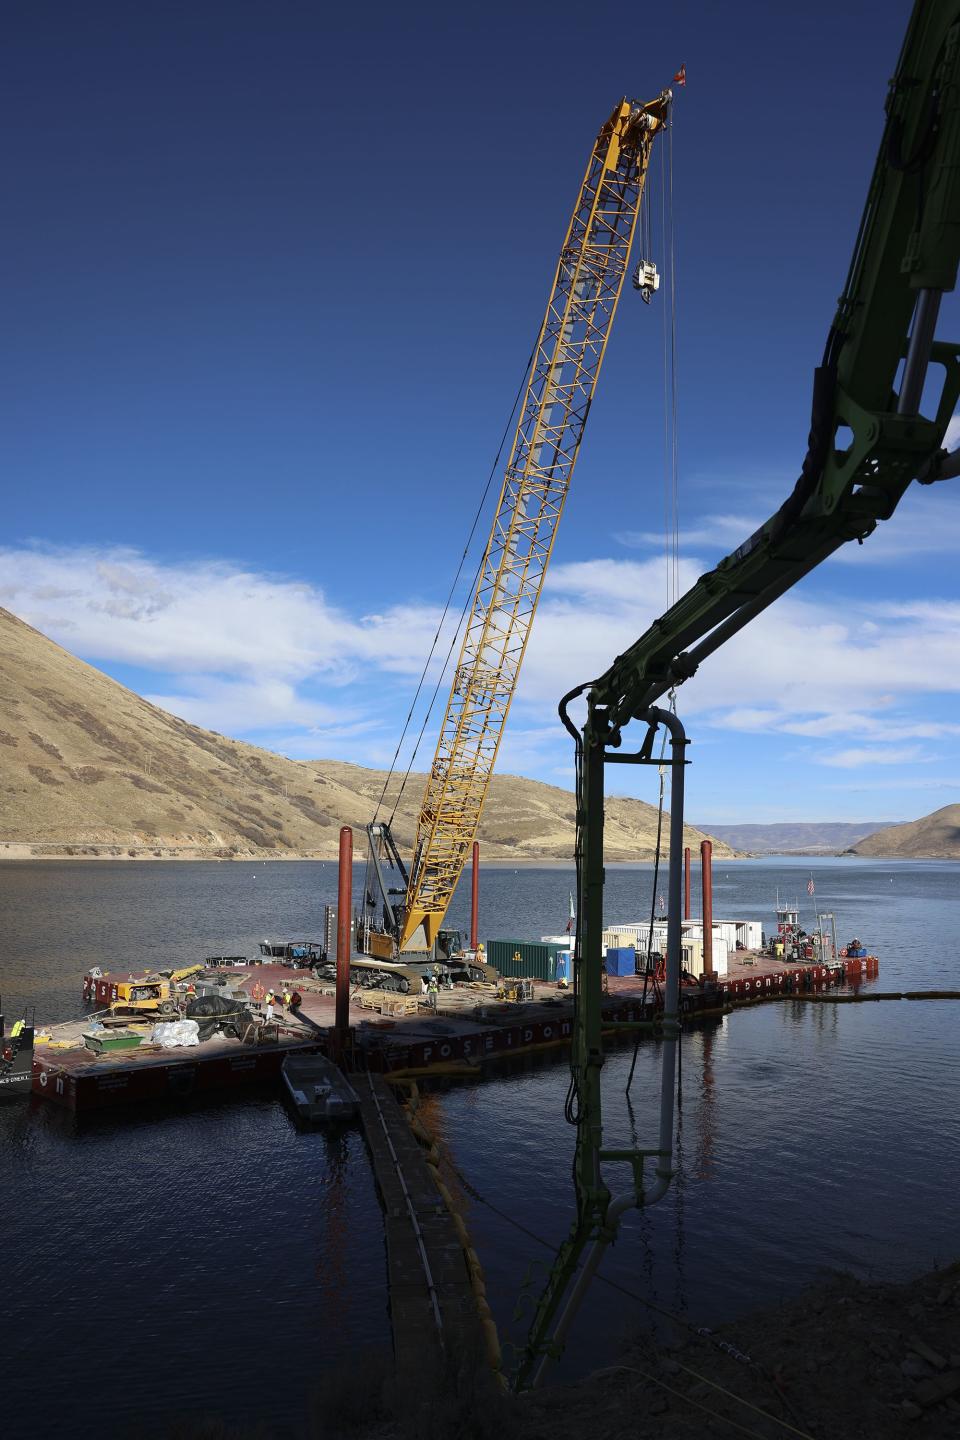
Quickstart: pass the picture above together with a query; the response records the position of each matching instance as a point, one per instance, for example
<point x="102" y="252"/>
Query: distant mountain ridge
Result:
<point x="932" y="837"/>
<point x="88" y="768"/>
<point x="814" y="837"/>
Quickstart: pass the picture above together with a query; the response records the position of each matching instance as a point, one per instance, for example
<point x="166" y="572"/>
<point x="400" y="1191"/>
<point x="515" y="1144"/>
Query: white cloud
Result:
<point x="276" y="660"/>
<point x="926" y="522"/>
<point x="243" y="706"/>
<point x="856" y="757"/>
<point x="800" y="657"/>
<point x="721" y="533"/>
<point x="952" y="437"/>
<point x="623" y="584"/>
<point x="239" y="651"/>
<point x="204" y="617"/>
<point x="882" y="726"/>
<point x="535" y="749"/>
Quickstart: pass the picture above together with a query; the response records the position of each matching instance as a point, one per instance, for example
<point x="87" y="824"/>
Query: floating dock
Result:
<point x="432" y="1305"/>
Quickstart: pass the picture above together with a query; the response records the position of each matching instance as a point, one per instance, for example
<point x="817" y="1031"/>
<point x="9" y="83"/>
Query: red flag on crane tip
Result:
<point x="681" y="76"/>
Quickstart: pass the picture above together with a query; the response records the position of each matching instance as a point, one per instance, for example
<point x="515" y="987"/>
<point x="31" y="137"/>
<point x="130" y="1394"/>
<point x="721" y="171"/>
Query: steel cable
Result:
<point x="699" y="1405"/>
<point x="423" y="674"/>
<point x="674" y="401"/>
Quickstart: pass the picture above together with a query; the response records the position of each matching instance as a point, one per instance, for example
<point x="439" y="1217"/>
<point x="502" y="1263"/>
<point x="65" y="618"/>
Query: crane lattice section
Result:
<point x="567" y="360"/>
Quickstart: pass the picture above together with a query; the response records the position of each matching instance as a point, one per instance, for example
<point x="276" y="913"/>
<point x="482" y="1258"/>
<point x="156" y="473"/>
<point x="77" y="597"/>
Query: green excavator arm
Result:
<point x="868" y="441"/>
<point x="868" y="438"/>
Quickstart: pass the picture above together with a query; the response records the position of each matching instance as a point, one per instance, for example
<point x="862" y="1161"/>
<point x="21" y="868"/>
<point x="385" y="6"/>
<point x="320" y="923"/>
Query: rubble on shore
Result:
<point x="845" y="1359"/>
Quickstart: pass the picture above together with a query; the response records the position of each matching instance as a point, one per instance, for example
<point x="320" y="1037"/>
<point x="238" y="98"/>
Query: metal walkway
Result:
<point x="432" y="1309"/>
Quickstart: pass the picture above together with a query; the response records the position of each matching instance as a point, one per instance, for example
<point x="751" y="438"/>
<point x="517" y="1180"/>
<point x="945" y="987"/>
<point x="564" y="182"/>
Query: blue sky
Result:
<point x="273" y="271"/>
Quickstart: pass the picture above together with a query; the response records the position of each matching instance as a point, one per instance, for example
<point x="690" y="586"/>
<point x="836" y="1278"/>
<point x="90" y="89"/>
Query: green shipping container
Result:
<point x="525" y="959"/>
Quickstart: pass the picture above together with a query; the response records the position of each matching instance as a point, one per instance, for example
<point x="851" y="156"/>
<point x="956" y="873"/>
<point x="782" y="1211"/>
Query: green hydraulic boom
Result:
<point x="868" y="441"/>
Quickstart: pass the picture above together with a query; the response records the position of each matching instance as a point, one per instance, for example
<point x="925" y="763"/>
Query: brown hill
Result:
<point x="934" y="837"/>
<point x="798" y="837"/>
<point x="88" y="768"/>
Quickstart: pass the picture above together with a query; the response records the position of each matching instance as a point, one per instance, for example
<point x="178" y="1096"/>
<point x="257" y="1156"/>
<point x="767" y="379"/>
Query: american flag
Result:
<point x="810" y="886"/>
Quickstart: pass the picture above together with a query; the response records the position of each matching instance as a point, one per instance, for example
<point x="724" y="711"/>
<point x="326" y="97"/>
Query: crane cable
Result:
<point x="671" y="549"/>
<point x="671" y="477"/>
<point x="423" y="674"/>
<point x="671" y="472"/>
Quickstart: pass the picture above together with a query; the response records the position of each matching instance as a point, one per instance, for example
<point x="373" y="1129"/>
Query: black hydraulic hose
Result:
<point x="923" y="149"/>
<point x="562" y="708"/>
<point x="818" y="448"/>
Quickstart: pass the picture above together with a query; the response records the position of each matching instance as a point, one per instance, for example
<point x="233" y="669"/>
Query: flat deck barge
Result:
<point x="468" y="1029"/>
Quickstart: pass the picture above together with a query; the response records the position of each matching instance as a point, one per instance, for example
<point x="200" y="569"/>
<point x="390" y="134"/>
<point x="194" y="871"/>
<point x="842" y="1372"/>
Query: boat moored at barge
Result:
<point x="16" y="1055"/>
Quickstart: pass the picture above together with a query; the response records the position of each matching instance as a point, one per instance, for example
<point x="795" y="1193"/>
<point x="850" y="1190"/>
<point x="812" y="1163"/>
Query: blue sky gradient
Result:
<point x="274" y="270"/>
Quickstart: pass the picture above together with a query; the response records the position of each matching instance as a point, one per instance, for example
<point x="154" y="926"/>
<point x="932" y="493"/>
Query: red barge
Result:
<point x="468" y="1029"/>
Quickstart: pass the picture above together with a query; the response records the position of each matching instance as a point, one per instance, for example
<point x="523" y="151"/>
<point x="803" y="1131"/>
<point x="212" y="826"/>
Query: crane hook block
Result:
<point x="646" y="280"/>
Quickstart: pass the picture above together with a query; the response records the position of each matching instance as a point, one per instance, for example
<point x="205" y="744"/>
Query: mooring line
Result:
<point x="714" y="1414"/>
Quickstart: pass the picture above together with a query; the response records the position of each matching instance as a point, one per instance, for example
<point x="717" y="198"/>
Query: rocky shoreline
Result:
<point x="845" y="1359"/>
<point x="43" y="850"/>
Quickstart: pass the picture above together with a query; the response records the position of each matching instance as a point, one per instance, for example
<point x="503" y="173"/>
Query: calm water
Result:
<point x="220" y="1247"/>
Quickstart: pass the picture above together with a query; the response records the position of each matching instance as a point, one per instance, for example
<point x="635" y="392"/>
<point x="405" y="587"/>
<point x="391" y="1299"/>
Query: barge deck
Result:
<point x="468" y="1029"/>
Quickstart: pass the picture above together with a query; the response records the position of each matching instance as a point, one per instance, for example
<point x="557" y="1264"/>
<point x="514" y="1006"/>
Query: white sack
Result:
<point x="173" y="1033"/>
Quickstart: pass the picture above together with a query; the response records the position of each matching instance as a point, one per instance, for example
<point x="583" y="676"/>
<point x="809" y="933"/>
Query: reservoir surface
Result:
<point x="218" y="1245"/>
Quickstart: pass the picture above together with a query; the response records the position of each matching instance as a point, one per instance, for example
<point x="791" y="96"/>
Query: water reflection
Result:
<point x="790" y="1116"/>
<point x="699" y="1046"/>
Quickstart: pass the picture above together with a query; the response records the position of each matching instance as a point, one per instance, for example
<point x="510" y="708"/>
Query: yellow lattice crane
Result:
<point x="562" y="379"/>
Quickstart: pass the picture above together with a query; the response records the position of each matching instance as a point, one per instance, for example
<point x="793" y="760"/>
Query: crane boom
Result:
<point x="868" y="440"/>
<point x="562" y="379"/>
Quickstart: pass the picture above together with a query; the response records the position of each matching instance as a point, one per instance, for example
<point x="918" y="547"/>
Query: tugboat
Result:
<point x="793" y="943"/>
<point x="16" y="1055"/>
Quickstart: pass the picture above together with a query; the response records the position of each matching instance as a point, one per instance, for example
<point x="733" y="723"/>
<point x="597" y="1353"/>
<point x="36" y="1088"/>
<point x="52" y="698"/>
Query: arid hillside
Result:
<point x="88" y="768"/>
<point x="934" y="837"/>
<point x="825" y="837"/>
<point x="523" y="819"/>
